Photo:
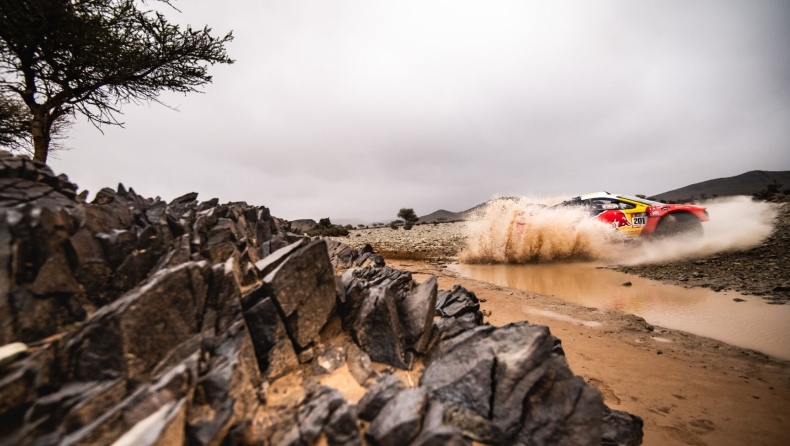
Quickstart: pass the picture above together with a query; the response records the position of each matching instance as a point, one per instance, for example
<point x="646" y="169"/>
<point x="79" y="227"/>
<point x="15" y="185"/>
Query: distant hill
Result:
<point x="463" y="215"/>
<point x="743" y="184"/>
<point x="441" y="215"/>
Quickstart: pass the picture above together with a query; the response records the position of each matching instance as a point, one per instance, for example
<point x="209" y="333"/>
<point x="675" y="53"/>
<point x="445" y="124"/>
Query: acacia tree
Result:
<point x="14" y="123"/>
<point x="90" y="57"/>
<point x="408" y="215"/>
<point x="15" y="127"/>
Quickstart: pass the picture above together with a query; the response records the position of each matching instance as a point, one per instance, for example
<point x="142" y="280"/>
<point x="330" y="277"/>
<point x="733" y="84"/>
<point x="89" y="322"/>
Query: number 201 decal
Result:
<point x="639" y="221"/>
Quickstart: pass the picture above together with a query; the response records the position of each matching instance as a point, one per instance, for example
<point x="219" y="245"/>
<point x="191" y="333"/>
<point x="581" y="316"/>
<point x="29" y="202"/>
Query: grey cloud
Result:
<point x="355" y="109"/>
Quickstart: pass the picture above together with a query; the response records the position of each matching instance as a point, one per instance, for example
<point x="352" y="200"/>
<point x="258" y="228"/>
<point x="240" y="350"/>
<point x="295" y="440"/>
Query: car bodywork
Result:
<point x="634" y="215"/>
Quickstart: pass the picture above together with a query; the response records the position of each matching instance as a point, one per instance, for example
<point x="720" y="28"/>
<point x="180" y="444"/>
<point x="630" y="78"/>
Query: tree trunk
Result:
<point x="39" y="128"/>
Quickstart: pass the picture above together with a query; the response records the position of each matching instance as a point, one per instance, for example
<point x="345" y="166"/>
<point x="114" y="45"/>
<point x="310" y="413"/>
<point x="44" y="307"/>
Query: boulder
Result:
<point x="341" y="427"/>
<point x="463" y="376"/>
<point x="416" y="313"/>
<point x="324" y="406"/>
<point x="457" y="302"/>
<point x="273" y="348"/>
<point x="400" y="282"/>
<point x="400" y="420"/>
<point x="269" y="263"/>
<point x="303" y="286"/>
<point x="131" y="335"/>
<point x="378" y="396"/>
<point x="621" y="428"/>
<point x="302" y="226"/>
<point x="435" y="432"/>
<point x="378" y="331"/>
<point x="86" y="254"/>
<point x="486" y="375"/>
<point x="226" y="394"/>
<point x="341" y="255"/>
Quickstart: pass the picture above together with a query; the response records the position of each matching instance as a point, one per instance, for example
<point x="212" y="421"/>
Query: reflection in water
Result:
<point x="752" y="324"/>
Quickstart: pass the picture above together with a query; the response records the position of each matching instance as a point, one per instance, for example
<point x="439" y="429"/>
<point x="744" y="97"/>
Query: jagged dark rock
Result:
<point x="378" y="331"/>
<point x="488" y="373"/>
<point x="435" y="432"/>
<point x="303" y="287"/>
<point x="274" y="350"/>
<point x="621" y="428"/>
<point x="416" y="313"/>
<point x="378" y="396"/>
<point x="324" y="406"/>
<point x="457" y="302"/>
<point x="400" y="420"/>
<point x="170" y="323"/>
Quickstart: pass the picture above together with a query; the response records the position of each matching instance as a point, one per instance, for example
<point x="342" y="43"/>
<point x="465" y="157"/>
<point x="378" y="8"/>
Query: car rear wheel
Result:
<point x="679" y="225"/>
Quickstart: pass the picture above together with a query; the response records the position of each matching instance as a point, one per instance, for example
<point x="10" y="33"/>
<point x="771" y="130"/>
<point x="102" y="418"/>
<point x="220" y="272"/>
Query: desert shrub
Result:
<point x="769" y="191"/>
<point x="325" y="228"/>
<point x="407" y="226"/>
<point x="408" y="215"/>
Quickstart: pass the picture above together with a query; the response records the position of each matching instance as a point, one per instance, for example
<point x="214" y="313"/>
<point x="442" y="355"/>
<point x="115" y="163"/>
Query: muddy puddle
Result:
<point x="752" y="324"/>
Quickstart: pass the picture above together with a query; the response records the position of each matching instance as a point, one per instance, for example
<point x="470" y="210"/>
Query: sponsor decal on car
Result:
<point x="639" y="220"/>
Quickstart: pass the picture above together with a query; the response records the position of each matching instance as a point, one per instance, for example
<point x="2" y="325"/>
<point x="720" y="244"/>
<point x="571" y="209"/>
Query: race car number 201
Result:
<point x="639" y="220"/>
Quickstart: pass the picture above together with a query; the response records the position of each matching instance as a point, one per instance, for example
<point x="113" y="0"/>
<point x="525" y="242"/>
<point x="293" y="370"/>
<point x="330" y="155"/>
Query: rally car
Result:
<point x="640" y="216"/>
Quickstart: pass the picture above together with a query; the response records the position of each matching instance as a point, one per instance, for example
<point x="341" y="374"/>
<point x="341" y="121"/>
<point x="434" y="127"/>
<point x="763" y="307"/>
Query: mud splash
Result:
<point x="525" y="231"/>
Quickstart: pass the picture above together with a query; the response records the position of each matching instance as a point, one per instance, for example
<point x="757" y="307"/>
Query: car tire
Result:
<point x="679" y="225"/>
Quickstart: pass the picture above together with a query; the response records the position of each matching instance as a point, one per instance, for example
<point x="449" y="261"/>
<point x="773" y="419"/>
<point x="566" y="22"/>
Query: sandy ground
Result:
<point x="688" y="389"/>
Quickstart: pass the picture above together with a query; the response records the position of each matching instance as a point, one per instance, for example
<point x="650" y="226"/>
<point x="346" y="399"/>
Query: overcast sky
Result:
<point x="358" y="108"/>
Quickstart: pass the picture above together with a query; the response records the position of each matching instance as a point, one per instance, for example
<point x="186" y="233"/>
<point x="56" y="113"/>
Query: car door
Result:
<point x="608" y="211"/>
<point x="636" y="215"/>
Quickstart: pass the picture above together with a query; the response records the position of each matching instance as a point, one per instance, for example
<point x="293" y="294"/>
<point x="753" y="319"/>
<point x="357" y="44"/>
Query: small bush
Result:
<point x="325" y="228"/>
<point x="408" y="215"/>
<point x="769" y="191"/>
<point x="407" y="226"/>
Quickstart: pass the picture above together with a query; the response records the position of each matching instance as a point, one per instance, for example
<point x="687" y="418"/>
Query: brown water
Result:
<point x="753" y="324"/>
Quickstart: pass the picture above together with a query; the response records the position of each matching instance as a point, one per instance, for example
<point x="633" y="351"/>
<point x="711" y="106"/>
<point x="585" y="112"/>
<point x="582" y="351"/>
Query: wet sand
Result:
<point x="689" y="389"/>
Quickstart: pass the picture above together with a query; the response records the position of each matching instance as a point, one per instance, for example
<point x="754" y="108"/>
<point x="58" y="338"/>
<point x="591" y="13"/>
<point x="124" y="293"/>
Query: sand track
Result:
<point x="696" y="391"/>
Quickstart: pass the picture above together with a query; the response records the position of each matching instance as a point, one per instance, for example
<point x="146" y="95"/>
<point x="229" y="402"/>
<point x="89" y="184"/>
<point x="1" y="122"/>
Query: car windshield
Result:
<point x="641" y="200"/>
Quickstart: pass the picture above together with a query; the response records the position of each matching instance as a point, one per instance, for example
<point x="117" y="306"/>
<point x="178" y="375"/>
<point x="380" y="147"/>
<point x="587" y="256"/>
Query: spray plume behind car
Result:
<point x="528" y="231"/>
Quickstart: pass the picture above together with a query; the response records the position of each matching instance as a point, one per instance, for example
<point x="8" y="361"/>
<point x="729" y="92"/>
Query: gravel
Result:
<point x="421" y="242"/>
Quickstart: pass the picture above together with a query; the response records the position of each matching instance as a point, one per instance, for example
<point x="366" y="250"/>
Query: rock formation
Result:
<point x="131" y="320"/>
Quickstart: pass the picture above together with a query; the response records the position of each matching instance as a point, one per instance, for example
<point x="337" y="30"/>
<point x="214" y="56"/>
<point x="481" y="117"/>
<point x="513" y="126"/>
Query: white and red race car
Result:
<point x="639" y="216"/>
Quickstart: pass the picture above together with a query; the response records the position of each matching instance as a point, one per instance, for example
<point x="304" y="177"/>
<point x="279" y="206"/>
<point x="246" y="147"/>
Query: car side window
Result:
<point x="623" y="205"/>
<point x="599" y="205"/>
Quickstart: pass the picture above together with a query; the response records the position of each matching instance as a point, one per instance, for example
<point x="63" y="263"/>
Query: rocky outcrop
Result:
<point x="302" y="226"/>
<point x="138" y="321"/>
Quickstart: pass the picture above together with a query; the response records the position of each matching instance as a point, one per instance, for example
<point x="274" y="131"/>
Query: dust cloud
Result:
<point x="735" y="223"/>
<point x="526" y="231"/>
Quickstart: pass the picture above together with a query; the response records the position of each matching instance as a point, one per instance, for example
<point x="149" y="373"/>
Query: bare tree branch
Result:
<point x="91" y="57"/>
